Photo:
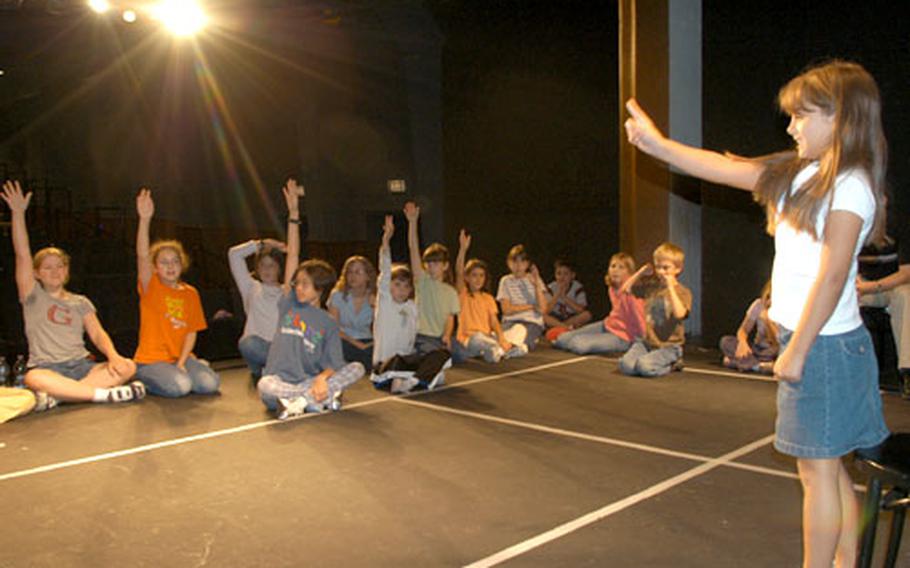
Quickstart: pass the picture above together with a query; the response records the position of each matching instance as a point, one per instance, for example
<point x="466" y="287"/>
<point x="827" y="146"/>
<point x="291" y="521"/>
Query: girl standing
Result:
<point x="824" y="200"/>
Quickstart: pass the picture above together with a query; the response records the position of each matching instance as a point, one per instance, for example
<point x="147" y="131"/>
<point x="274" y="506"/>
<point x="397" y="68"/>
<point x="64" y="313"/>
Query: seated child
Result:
<point x="568" y="306"/>
<point x="305" y="371"/>
<point x="351" y="305"/>
<point x="260" y="291"/>
<point x="667" y="304"/>
<point x="626" y="321"/>
<point x="170" y="316"/>
<point x="759" y="353"/>
<point x="56" y="322"/>
<point x="479" y="331"/>
<point x="523" y="298"/>
<point x="396" y="363"/>
<point x="437" y="301"/>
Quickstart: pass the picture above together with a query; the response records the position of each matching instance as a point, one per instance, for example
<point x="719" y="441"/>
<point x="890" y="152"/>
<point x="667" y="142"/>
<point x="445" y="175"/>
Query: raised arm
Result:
<point x="412" y="212"/>
<point x="842" y="230"/>
<point x="644" y="269"/>
<point x="292" y="194"/>
<point x="383" y="287"/>
<point x="704" y="164"/>
<point x="145" y="208"/>
<point x="464" y="243"/>
<point x="18" y="204"/>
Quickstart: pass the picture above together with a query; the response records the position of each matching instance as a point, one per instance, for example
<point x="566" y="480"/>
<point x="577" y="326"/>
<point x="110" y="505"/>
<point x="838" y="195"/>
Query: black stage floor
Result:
<point x="549" y="460"/>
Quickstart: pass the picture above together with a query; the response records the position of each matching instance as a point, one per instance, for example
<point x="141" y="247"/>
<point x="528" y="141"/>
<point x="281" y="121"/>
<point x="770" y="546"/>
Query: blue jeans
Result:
<point x="352" y="354"/>
<point x="479" y="344"/>
<point x="165" y="379"/>
<point x="592" y="338"/>
<point x="255" y="351"/>
<point x="645" y="362"/>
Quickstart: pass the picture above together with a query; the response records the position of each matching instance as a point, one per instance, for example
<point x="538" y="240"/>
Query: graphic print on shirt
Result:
<point x="174" y="312"/>
<point x="293" y="324"/>
<point x="59" y="315"/>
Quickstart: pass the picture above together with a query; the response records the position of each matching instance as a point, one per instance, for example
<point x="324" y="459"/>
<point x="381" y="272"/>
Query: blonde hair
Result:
<point x="847" y="92"/>
<point x="624" y="258"/>
<point x="342" y="284"/>
<point x="174" y="245"/>
<point x="670" y="252"/>
<point x="52" y="251"/>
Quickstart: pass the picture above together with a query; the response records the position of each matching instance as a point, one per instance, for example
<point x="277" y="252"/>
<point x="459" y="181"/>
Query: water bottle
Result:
<point x="4" y="372"/>
<point x="19" y="370"/>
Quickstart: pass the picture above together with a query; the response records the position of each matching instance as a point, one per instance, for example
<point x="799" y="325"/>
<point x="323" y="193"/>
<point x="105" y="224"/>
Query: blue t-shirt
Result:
<point x="306" y="342"/>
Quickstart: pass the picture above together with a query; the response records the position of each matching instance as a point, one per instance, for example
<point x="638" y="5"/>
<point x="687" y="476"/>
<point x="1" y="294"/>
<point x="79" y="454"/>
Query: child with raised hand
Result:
<point x="396" y="364"/>
<point x="624" y="324"/>
<point x="351" y="305"/>
<point x="261" y="290"/>
<point x="568" y="305"/>
<point x="823" y="200"/>
<point x="479" y="330"/>
<point x="305" y="371"/>
<point x="170" y="315"/>
<point x="437" y="301"/>
<point x="55" y="322"/>
<point x="747" y="352"/>
<point x="523" y="298"/>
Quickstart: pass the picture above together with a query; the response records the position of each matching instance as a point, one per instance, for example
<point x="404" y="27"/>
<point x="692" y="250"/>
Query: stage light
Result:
<point x="182" y="17"/>
<point x="99" y="6"/>
<point x="129" y="16"/>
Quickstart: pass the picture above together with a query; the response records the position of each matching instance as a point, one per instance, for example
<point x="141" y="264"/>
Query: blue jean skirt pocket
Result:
<point x="835" y="407"/>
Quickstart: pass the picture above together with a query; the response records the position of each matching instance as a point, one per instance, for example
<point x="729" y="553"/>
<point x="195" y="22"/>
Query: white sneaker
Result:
<point x="498" y="354"/>
<point x="440" y="378"/>
<point x="43" y="402"/>
<point x="291" y="407"/>
<point x="402" y="385"/>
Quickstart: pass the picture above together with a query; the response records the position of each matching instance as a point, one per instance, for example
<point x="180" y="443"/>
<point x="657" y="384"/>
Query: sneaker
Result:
<point x="402" y="385"/>
<point x="44" y="402"/>
<point x="291" y="407"/>
<point x="138" y="390"/>
<point x="518" y="350"/>
<point x="497" y="354"/>
<point x="678" y="365"/>
<point x="334" y="405"/>
<point x="440" y="378"/>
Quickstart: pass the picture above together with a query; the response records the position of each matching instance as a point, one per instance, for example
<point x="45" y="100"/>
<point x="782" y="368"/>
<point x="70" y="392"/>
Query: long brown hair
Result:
<point x="344" y="287"/>
<point x="846" y="91"/>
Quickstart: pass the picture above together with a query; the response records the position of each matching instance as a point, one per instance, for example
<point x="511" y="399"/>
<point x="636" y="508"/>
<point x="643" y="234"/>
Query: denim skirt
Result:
<point x="835" y="407"/>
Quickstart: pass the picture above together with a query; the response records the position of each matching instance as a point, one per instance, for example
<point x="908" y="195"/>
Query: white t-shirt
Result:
<point x="797" y="255"/>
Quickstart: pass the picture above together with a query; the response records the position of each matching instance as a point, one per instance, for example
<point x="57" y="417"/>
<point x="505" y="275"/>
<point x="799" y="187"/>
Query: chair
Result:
<point x="888" y="466"/>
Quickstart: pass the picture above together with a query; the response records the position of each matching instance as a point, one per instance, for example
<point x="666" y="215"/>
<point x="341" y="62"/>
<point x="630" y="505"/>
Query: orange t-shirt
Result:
<point x="476" y="310"/>
<point x="166" y="316"/>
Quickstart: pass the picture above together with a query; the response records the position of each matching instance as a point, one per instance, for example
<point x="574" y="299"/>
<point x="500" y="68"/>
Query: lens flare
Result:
<point x="182" y="17"/>
<point x="99" y="6"/>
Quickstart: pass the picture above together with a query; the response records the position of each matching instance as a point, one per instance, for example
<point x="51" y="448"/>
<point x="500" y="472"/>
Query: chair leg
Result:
<point x="894" y="537"/>
<point x="869" y="522"/>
